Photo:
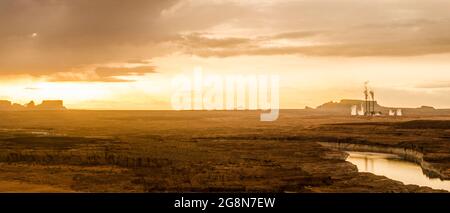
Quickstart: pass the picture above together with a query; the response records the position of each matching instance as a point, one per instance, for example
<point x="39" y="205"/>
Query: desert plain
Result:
<point x="207" y="151"/>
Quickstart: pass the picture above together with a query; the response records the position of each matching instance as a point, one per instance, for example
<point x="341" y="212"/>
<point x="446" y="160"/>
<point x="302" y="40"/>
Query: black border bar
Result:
<point x="150" y="201"/>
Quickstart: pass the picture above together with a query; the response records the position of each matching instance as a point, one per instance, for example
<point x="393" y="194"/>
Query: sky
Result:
<point x="113" y="54"/>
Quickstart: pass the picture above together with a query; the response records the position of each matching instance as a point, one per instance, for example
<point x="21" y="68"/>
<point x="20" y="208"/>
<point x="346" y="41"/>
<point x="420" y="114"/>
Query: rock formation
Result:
<point x="6" y="105"/>
<point x="347" y="107"/>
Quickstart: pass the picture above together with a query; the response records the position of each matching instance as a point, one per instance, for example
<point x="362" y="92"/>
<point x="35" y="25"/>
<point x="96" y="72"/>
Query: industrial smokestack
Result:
<point x="372" y="94"/>
<point x="366" y="94"/>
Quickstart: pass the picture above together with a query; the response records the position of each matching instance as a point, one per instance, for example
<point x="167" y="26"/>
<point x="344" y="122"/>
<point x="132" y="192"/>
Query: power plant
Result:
<point x="368" y="108"/>
<point x="369" y="101"/>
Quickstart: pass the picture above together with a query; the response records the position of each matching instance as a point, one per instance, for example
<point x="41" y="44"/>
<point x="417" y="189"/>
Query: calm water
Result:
<point x="393" y="167"/>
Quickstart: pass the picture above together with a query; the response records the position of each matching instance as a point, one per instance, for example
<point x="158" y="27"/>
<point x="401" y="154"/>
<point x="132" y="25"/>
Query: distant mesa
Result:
<point x="427" y="108"/>
<point x="6" y="105"/>
<point x="344" y="107"/>
<point x="369" y="107"/>
<point x="344" y="104"/>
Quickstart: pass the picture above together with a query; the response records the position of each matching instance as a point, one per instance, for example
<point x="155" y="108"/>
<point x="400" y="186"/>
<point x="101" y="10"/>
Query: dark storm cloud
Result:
<point x="47" y="36"/>
<point x="338" y="28"/>
<point x="121" y="71"/>
<point x="83" y="77"/>
<point x="385" y="48"/>
<point x="296" y="35"/>
<point x="101" y="74"/>
<point x="202" y="45"/>
<point x="198" y="41"/>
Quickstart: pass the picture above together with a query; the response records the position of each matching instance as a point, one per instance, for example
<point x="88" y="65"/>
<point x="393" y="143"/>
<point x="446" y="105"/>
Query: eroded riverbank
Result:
<point x="396" y="168"/>
<point x="408" y="154"/>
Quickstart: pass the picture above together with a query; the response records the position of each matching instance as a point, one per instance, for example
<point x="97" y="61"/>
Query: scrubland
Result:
<point x="200" y="151"/>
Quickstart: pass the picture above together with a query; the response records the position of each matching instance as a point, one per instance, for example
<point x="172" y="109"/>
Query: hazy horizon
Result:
<point x="168" y="109"/>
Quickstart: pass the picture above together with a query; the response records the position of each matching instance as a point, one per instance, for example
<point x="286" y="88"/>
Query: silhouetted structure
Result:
<point x="6" y="105"/>
<point x="372" y="109"/>
<point x="51" y="105"/>
<point x="366" y="103"/>
<point x="30" y="105"/>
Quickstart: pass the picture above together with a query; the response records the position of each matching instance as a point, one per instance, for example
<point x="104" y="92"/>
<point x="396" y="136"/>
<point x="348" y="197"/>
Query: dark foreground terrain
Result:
<point x="164" y="151"/>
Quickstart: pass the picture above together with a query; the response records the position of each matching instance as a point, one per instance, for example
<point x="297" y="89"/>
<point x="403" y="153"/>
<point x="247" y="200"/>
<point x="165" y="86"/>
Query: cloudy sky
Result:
<point x="112" y="54"/>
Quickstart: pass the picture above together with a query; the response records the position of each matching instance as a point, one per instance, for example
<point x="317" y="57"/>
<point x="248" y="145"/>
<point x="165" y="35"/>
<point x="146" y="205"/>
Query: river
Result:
<point x="395" y="168"/>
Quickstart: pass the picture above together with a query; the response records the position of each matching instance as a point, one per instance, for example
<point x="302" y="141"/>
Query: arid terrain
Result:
<point x="216" y="151"/>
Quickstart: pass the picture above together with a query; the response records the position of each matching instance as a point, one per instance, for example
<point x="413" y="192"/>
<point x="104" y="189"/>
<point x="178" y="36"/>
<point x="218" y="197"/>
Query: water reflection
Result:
<point x="394" y="168"/>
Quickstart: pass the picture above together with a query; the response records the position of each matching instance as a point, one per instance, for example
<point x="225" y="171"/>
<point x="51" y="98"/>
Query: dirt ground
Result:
<point x="197" y="151"/>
